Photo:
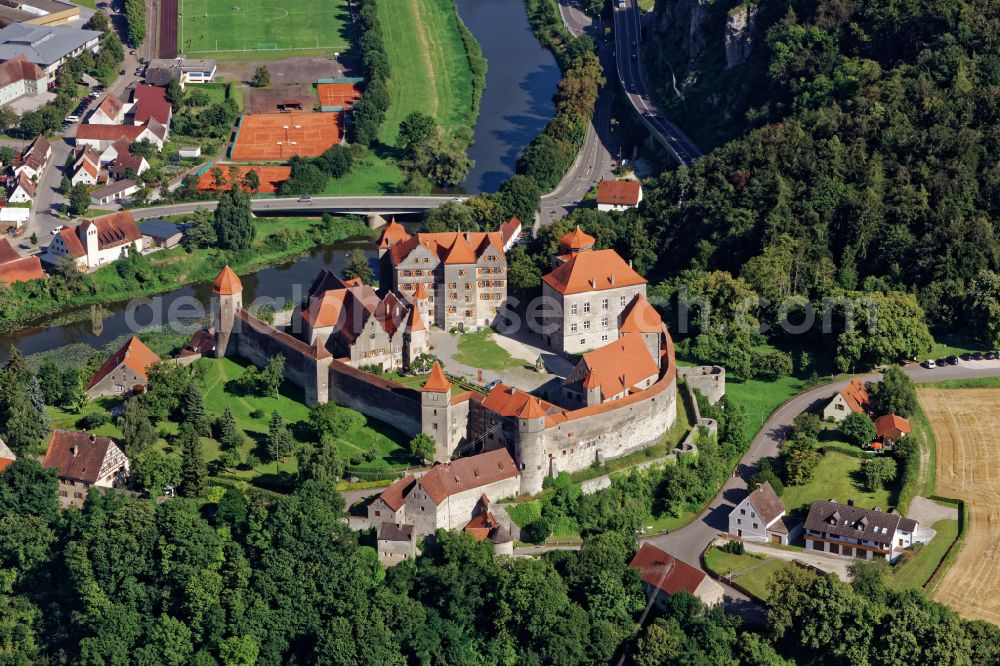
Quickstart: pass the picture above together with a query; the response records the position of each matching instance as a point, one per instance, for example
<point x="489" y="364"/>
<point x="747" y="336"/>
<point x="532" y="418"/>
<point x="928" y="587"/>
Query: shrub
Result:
<point x="858" y="428"/>
<point x="93" y="420"/>
<point x="734" y="547"/>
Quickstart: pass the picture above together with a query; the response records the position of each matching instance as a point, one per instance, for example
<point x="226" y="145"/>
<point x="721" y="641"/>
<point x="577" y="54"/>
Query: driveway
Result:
<point x="828" y="563"/>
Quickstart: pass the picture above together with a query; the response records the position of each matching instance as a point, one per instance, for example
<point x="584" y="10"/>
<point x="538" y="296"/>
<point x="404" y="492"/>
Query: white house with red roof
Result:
<point x="14" y="268"/>
<point x="760" y="516"/>
<point x="124" y="371"/>
<point x="852" y="398"/>
<point x="618" y="195"/>
<point x="587" y="293"/>
<point x="22" y="189"/>
<point x="96" y="242"/>
<point x="34" y="158"/>
<point x="21" y="78"/>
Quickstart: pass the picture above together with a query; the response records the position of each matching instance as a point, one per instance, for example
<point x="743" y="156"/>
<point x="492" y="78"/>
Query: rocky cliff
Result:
<point x="740" y="28"/>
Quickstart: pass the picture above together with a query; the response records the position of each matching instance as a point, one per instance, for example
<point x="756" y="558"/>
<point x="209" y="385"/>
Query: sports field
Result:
<point x="965" y="423"/>
<point x="271" y="178"/>
<point x="430" y="69"/>
<point x="274" y="137"/>
<point x="239" y="29"/>
<point x="338" y="94"/>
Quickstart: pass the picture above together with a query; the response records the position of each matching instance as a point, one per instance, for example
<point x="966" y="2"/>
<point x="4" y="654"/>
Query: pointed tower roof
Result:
<point x="228" y="283"/>
<point x="420" y="293"/>
<point x="577" y="241"/>
<point x="591" y="381"/>
<point x="414" y="321"/>
<point x="392" y="234"/>
<point x="641" y="317"/>
<point x="532" y="409"/>
<point x="437" y="382"/>
<point x="461" y="252"/>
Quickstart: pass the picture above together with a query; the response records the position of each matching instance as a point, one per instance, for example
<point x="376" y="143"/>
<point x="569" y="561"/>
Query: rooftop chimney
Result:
<point x="613" y="278"/>
<point x="74" y="450"/>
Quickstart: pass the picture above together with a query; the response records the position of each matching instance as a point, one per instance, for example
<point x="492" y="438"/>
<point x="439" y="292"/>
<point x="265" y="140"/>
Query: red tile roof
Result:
<point x="25" y="184"/>
<point x="461" y="252"/>
<point x="437" y="382"/>
<point x="22" y="270"/>
<point x="7" y="252"/>
<point x="509" y="229"/>
<point x="227" y="283"/>
<point x="413" y="320"/>
<point x="19" y="69"/>
<point x="619" y="192"/>
<point x="857" y="397"/>
<point x="101" y="132"/>
<point x="394" y="495"/>
<point x="445" y="480"/>
<point x="619" y="365"/>
<point x="766" y="502"/>
<point x="136" y="356"/>
<point x="442" y="245"/>
<point x="151" y="102"/>
<point x="420" y="292"/>
<point x="82" y="465"/>
<point x="664" y="571"/>
<point x="593" y="270"/>
<point x="577" y="240"/>
<point x="509" y="401"/>
<point x="393" y="233"/>
<point x="113" y="230"/>
<point x="890" y="424"/>
<point x="72" y="242"/>
<point x="640" y="317"/>
<point x="111" y="106"/>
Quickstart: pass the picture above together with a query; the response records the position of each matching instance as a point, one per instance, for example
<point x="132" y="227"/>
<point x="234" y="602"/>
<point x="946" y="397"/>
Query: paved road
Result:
<point x="688" y="542"/>
<point x="317" y="206"/>
<point x="594" y="161"/>
<point x="628" y="37"/>
<point x="575" y="19"/>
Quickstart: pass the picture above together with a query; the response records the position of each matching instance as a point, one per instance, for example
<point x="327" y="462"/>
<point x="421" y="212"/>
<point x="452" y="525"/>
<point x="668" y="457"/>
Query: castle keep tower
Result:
<point x="228" y="300"/>
<point x="530" y="451"/>
<point x="435" y="403"/>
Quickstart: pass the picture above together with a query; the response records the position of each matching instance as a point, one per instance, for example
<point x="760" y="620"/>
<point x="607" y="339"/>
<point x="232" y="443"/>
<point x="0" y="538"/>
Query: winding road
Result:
<point x="687" y="543"/>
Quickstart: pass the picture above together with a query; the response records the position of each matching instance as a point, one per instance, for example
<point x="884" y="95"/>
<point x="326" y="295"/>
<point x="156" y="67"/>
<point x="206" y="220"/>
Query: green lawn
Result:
<point x="760" y="398"/>
<point x="956" y="345"/>
<point x="751" y="572"/>
<point x="478" y="350"/>
<point x="429" y="66"/>
<point x="371" y="175"/>
<point x="915" y="572"/>
<point x="837" y="476"/>
<point x="262" y="29"/>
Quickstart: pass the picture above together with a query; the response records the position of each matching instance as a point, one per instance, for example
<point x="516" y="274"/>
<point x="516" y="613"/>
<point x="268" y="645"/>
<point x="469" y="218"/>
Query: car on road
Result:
<point x="492" y="385"/>
<point x="305" y="198"/>
<point x="977" y="356"/>
<point x="56" y="229"/>
<point x="941" y="362"/>
<point x="952" y="360"/>
<point x="989" y="356"/>
<point x="635" y="56"/>
<point x="929" y="364"/>
<point x="967" y="356"/>
<point x="72" y="118"/>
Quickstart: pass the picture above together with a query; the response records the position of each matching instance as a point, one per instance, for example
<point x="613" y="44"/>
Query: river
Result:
<point x="516" y="106"/>
<point x="520" y="82"/>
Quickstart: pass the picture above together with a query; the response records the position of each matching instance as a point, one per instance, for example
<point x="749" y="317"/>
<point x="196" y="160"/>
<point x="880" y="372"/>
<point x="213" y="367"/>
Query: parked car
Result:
<point x="989" y="356"/>
<point x="492" y="385"/>
<point x="977" y="356"/>
<point x="942" y="362"/>
<point x="929" y="364"/>
<point x="56" y="229"/>
<point x="966" y="356"/>
<point x="952" y="360"/>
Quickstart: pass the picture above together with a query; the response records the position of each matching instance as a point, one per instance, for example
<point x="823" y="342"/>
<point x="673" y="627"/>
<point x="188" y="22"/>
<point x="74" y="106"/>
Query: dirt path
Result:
<point x="425" y="51"/>
<point x="965" y="423"/>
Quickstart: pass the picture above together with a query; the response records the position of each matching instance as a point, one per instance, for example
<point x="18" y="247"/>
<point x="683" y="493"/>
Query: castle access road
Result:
<point x="628" y="37"/>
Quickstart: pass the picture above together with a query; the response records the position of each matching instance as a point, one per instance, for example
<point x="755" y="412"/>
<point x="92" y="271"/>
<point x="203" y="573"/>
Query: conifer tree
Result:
<point x="192" y="465"/>
<point x="193" y="411"/>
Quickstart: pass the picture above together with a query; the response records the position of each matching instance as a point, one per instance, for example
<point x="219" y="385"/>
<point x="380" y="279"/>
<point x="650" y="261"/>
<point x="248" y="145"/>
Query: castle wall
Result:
<point x="258" y="342"/>
<point x="375" y="397"/>
<point x="709" y="379"/>
<point x="455" y="511"/>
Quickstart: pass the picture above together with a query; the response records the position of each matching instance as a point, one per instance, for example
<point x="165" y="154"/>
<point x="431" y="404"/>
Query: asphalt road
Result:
<point x="688" y="542"/>
<point x="628" y="37"/>
<point x="316" y="206"/>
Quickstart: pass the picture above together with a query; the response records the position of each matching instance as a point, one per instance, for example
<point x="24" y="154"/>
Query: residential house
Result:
<point x="611" y="372"/>
<point x="161" y="234"/>
<point x="126" y="165"/>
<point x="37" y="12"/>
<point x="511" y="233"/>
<point x="86" y="172"/>
<point x="852" y="398"/>
<point x="118" y="191"/>
<point x="150" y="103"/>
<point x="390" y="505"/>
<point x="124" y="371"/>
<point x="618" y="195"/>
<point x="22" y="189"/>
<point x="663" y="574"/>
<point x="464" y="275"/>
<point x="7" y="456"/>
<point x="187" y="70"/>
<point x="350" y="320"/>
<point x="447" y="496"/>
<point x="34" y="158"/>
<point x="761" y="517"/>
<point x="83" y="461"/>
<point x="98" y="241"/>
<point x="889" y="429"/>
<point x="101" y="137"/>
<point x="14" y="268"/>
<point x="21" y="78"/>
<point x="47" y="46"/>
<point x="111" y="111"/>
<point x="586" y="295"/>
<point x="844" y="529"/>
<point x="396" y="542"/>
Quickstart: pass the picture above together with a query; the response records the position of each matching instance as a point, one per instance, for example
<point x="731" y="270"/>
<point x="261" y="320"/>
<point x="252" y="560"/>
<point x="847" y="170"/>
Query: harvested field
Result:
<point x="271" y="178"/>
<point x="965" y="423"/>
<point x="278" y="136"/>
<point x="168" y="29"/>
<point x="338" y="94"/>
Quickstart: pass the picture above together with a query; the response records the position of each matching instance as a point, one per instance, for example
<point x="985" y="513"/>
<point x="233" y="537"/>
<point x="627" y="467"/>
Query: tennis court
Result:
<point x="238" y="29"/>
<point x="275" y="137"/>
<point x="271" y="178"/>
<point x="339" y="94"/>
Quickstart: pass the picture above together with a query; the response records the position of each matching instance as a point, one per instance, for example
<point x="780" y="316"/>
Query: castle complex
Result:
<point x="621" y="396"/>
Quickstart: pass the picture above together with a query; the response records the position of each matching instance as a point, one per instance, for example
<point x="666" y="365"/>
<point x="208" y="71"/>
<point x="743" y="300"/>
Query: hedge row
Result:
<point x="370" y="110"/>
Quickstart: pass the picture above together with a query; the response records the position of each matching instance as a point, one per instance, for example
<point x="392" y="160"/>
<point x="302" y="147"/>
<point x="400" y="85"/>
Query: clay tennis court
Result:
<point x="965" y="423"/>
<point x="278" y="136"/>
<point x="271" y="178"/>
<point x="338" y="94"/>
